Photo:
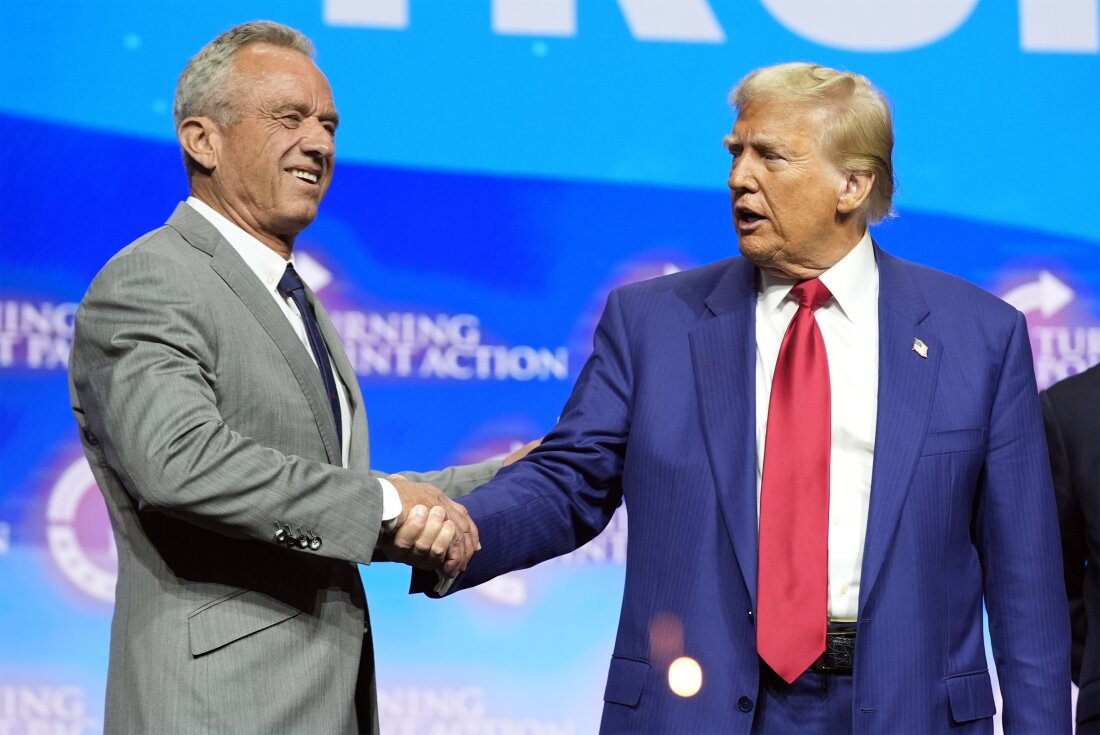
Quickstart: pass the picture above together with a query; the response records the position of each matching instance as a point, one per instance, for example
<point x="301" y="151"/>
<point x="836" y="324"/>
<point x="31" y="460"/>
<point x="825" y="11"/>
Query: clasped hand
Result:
<point x="432" y="531"/>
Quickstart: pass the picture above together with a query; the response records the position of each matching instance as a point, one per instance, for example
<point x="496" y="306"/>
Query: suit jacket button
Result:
<point x="315" y="543"/>
<point x="744" y="704"/>
<point x="280" y="534"/>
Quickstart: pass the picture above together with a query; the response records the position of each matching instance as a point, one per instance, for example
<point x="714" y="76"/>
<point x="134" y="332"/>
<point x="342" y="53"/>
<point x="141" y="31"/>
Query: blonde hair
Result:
<point x="859" y="130"/>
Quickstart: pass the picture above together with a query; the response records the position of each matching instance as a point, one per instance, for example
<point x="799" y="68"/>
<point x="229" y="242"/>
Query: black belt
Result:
<point x="840" y="653"/>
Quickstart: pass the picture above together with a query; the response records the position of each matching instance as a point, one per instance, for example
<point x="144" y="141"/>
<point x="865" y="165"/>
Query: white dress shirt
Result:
<point x="269" y="267"/>
<point x="849" y="327"/>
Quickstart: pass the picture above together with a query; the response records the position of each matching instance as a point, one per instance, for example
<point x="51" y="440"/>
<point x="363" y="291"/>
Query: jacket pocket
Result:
<point x="233" y="617"/>
<point x="970" y="696"/>
<point x="949" y="442"/>
<point x="625" y="680"/>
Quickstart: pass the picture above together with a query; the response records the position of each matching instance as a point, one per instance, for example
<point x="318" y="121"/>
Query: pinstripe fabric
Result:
<point x="190" y="388"/>
<point x="662" y="416"/>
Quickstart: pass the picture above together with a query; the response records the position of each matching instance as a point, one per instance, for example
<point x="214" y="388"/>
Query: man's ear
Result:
<point x="200" y="137"/>
<point x="857" y="188"/>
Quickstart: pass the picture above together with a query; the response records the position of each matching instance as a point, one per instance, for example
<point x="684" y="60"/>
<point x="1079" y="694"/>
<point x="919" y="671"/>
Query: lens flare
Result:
<point x="685" y="677"/>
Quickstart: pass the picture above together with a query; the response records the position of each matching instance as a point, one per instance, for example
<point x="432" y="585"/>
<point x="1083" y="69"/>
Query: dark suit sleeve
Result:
<point x="1072" y="522"/>
<point x="1017" y="538"/>
<point x="564" y="493"/>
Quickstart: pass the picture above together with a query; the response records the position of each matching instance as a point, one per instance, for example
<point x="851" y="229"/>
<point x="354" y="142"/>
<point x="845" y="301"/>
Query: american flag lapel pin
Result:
<point x="920" y="348"/>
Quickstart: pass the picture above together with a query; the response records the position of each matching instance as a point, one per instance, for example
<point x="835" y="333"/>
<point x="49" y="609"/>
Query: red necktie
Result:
<point x="794" y="497"/>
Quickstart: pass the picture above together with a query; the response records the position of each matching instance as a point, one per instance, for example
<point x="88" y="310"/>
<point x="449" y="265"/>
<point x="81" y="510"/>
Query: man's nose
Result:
<point x="317" y="140"/>
<point x="741" y="177"/>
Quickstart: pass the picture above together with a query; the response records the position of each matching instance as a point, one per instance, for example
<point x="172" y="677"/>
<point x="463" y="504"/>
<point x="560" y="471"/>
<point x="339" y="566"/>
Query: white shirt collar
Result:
<point x="851" y="281"/>
<point x="268" y="265"/>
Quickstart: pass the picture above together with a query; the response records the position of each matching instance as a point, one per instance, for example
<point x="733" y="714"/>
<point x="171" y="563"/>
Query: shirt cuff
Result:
<point x="391" y="505"/>
<point x="444" y="584"/>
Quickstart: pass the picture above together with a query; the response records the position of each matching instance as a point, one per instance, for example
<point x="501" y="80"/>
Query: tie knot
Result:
<point x="290" y="281"/>
<point x="812" y="293"/>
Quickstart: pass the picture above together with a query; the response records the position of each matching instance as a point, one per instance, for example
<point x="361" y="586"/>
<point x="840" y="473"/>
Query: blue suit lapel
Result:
<point x="723" y="351"/>
<point x="906" y="387"/>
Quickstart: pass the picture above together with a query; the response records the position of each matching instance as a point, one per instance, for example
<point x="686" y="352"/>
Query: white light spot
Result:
<point x="540" y="49"/>
<point x="131" y="42"/>
<point x="159" y="107"/>
<point x="685" y="677"/>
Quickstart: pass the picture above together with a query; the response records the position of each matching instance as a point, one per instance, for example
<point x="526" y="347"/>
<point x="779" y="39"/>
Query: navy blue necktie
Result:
<point x="291" y="285"/>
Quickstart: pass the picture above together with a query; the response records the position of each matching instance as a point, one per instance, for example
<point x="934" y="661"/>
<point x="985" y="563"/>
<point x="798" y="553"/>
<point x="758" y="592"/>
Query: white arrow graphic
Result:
<point x="510" y="590"/>
<point x="312" y="272"/>
<point x="1048" y="295"/>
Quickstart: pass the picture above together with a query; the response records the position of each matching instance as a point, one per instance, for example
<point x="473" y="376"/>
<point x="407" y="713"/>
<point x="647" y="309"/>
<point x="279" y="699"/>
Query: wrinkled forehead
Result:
<point x="775" y="111"/>
<point x="775" y="119"/>
<point x="281" y="77"/>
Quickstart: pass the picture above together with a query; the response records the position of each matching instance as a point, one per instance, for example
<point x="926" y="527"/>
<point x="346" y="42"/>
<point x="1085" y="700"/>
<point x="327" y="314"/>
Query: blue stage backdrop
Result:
<point x="502" y="165"/>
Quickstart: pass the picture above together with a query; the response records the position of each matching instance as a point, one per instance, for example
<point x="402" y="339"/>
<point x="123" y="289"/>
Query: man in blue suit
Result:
<point x="831" y="458"/>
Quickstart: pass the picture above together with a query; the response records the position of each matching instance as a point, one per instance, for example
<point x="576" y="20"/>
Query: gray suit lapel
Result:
<point x="225" y="261"/>
<point x="359" y="451"/>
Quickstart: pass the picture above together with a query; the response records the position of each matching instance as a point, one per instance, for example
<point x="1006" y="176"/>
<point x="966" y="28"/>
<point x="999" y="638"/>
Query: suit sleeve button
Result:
<point x="744" y="704"/>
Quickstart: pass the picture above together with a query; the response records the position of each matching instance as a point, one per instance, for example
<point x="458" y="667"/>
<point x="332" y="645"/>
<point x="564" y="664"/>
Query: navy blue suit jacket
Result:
<point x="663" y="416"/>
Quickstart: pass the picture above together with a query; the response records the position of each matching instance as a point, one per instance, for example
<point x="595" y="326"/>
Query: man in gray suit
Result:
<point x="226" y="430"/>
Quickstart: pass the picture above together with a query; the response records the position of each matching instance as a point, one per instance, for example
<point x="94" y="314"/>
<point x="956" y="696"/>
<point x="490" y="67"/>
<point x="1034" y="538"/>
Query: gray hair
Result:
<point x="859" y="130"/>
<point x="205" y="86"/>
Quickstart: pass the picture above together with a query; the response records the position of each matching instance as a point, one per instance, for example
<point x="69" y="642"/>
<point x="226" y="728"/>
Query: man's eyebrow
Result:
<point x="289" y="107"/>
<point x="768" y="142"/>
<point x="762" y="144"/>
<point x="332" y="117"/>
<point x="756" y="141"/>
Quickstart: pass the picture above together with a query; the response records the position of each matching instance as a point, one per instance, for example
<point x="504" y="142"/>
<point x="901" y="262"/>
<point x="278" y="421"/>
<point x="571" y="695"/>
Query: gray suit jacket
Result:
<point x="207" y="428"/>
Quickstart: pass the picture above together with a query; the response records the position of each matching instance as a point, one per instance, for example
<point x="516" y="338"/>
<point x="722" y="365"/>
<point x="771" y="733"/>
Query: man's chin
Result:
<point x="293" y="222"/>
<point x="765" y="255"/>
<point x="753" y="247"/>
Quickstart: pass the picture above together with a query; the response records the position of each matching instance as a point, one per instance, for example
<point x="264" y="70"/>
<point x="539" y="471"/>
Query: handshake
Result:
<point x="432" y="531"/>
